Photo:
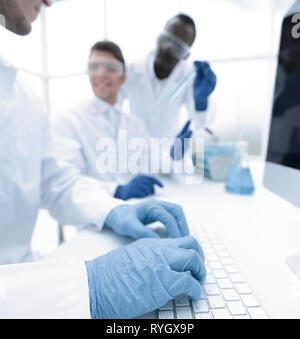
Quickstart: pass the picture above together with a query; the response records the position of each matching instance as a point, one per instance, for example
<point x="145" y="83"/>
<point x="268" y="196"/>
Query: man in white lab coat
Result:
<point x="150" y="82"/>
<point x="83" y="133"/>
<point x="31" y="178"/>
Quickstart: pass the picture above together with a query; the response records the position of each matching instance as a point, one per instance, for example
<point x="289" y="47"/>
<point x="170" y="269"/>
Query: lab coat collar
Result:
<point x="102" y="106"/>
<point x="150" y="65"/>
<point x="8" y="75"/>
<point x="145" y="70"/>
<point x="175" y="75"/>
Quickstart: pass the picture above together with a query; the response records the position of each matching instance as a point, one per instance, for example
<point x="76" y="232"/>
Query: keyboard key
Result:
<point x="211" y="290"/>
<point x="211" y="257"/>
<point x="184" y="313"/>
<point x="200" y="306"/>
<point x="249" y="300"/>
<point x="203" y="294"/>
<point x="208" y="269"/>
<point x="216" y="302"/>
<point x="182" y="300"/>
<point x="209" y="251"/>
<point x="222" y="253"/>
<point x="242" y="288"/>
<point x="200" y="233"/>
<point x="225" y="283"/>
<point x="206" y="227"/>
<point x="215" y="265"/>
<point x="257" y="313"/>
<point x="236" y="308"/>
<point x="203" y="316"/>
<point x="221" y="314"/>
<point x="244" y="316"/>
<point x="205" y="245"/>
<point x="236" y="278"/>
<point x="166" y="315"/>
<point x="210" y="279"/>
<point x="220" y="274"/>
<point x="227" y="261"/>
<point x="230" y="295"/>
<point x="167" y="307"/>
<point x="215" y="241"/>
<point x="209" y="230"/>
<point x="232" y="269"/>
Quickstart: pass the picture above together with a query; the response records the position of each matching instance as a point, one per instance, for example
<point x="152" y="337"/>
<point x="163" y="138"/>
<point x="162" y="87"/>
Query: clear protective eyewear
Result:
<point x="53" y="1"/>
<point x="109" y="66"/>
<point x="178" y="48"/>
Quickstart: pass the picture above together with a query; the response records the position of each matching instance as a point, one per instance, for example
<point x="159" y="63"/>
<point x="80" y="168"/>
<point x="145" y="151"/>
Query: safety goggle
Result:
<point x="54" y="1"/>
<point x="51" y="2"/>
<point x="178" y="48"/>
<point x="109" y="66"/>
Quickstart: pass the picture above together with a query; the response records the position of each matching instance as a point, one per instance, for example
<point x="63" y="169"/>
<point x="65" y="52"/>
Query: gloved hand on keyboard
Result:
<point x="143" y="276"/>
<point x="139" y="187"/>
<point x="181" y="142"/>
<point x="204" y="84"/>
<point x="131" y="220"/>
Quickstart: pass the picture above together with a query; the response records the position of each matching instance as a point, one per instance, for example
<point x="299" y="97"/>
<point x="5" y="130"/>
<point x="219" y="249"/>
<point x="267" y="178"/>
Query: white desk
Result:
<point x="259" y="231"/>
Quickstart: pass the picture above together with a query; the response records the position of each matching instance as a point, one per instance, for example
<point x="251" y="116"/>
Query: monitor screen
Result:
<point x="282" y="170"/>
<point x="284" y="140"/>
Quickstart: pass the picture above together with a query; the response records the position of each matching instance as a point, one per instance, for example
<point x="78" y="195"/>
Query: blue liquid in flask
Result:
<point x="239" y="179"/>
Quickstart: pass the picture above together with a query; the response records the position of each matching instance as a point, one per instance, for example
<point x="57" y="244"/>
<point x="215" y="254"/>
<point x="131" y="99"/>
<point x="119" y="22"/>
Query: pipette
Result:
<point x="212" y="134"/>
<point x="182" y="84"/>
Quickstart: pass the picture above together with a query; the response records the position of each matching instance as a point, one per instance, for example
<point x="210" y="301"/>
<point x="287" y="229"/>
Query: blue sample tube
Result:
<point x="182" y="84"/>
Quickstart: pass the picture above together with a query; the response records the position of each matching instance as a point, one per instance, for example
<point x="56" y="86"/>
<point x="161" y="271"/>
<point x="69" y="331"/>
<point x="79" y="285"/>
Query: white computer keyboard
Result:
<point x="226" y="295"/>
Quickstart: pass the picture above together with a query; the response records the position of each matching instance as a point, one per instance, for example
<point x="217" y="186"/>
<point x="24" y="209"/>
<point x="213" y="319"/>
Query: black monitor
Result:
<point x="282" y="171"/>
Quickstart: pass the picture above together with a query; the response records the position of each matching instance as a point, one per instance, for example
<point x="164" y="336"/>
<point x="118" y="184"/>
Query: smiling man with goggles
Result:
<point x="178" y="48"/>
<point x="109" y="66"/>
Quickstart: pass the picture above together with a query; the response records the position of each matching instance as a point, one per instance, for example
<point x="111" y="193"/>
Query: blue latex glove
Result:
<point x="143" y="276"/>
<point x="204" y="84"/>
<point x="179" y="147"/>
<point x="131" y="220"/>
<point x="139" y="187"/>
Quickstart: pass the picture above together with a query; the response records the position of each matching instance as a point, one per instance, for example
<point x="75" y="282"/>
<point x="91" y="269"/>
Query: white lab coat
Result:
<point x="79" y="131"/>
<point x="46" y="289"/>
<point x="31" y="178"/>
<point x="149" y="98"/>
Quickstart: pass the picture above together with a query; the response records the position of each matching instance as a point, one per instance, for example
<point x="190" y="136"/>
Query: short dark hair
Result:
<point x="186" y="20"/>
<point x="111" y="47"/>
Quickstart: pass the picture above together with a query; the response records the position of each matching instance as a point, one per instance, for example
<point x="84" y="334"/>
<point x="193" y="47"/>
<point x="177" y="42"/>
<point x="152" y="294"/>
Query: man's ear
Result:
<point x="123" y="78"/>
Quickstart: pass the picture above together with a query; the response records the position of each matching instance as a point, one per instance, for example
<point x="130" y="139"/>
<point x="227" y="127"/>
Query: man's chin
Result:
<point x="102" y="95"/>
<point x="22" y="27"/>
<point x="163" y="72"/>
<point x="163" y="68"/>
<point x="111" y="98"/>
